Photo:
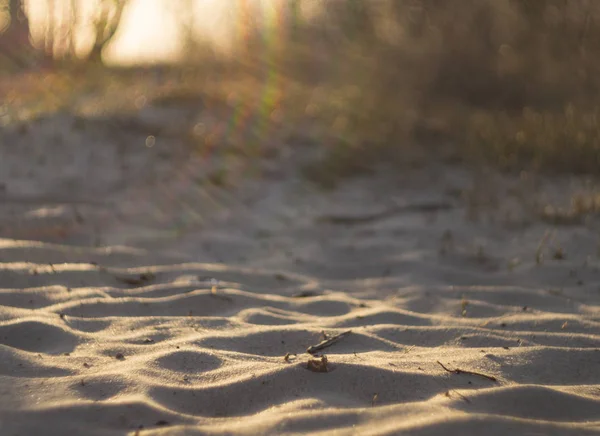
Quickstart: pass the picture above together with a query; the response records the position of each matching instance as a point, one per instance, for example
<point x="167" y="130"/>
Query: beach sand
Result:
<point x="136" y="297"/>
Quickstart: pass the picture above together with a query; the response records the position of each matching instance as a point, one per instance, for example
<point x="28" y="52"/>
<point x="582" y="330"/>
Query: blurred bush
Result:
<point x="513" y="82"/>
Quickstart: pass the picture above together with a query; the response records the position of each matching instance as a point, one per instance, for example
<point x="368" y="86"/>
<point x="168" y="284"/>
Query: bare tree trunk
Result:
<point x="186" y="21"/>
<point x="68" y="29"/>
<point x="50" y="36"/>
<point x="95" y="55"/>
<point x="19" y="23"/>
<point x="15" y="42"/>
<point x="106" y="27"/>
<point x="74" y="23"/>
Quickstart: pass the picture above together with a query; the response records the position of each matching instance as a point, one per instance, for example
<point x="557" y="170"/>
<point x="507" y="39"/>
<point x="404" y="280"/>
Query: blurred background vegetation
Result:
<point x="508" y="82"/>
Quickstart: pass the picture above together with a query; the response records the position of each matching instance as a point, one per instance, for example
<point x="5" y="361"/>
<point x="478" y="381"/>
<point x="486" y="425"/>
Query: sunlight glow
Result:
<point x="149" y="30"/>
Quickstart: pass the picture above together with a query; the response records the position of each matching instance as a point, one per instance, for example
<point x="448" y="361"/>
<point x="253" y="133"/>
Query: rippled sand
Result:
<point x="135" y="297"/>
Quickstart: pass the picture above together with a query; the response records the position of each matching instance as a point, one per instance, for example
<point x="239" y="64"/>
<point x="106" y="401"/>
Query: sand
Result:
<point x="136" y="297"/>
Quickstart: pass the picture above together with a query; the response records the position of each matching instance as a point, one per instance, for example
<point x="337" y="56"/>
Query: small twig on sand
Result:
<point x="465" y="399"/>
<point x="305" y="294"/>
<point x="136" y="281"/>
<point x="327" y="342"/>
<point x="288" y="356"/>
<point x="462" y="371"/>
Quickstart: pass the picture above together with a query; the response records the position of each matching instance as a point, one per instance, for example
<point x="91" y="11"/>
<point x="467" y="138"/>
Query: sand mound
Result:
<point x="463" y="319"/>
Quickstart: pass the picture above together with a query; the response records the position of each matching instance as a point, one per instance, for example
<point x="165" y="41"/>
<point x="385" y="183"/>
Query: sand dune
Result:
<point x="115" y="317"/>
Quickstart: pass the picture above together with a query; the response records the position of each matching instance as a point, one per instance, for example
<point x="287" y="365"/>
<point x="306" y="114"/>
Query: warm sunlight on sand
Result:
<point x="284" y="217"/>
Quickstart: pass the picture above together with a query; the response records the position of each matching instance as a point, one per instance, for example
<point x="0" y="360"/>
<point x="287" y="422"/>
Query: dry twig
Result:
<point x="465" y="399"/>
<point x="463" y="371"/>
<point x="136" y="281"/>
<point x="327" y="342"/>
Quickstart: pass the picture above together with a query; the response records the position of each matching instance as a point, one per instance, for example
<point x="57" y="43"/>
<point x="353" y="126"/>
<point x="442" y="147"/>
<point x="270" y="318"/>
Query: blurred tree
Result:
<point x="15" y="42"/>
<point x="187" y="22"/>
<point x="50" y="33"/>
<point x="61" y="24"/>
<point x="106" y="24"/>
<point x="69" y="32"/>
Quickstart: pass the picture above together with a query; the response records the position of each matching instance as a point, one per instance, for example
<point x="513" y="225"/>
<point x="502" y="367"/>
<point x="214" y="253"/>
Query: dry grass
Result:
<point x="544" y="140"/>
<point x="512" y="82"/>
